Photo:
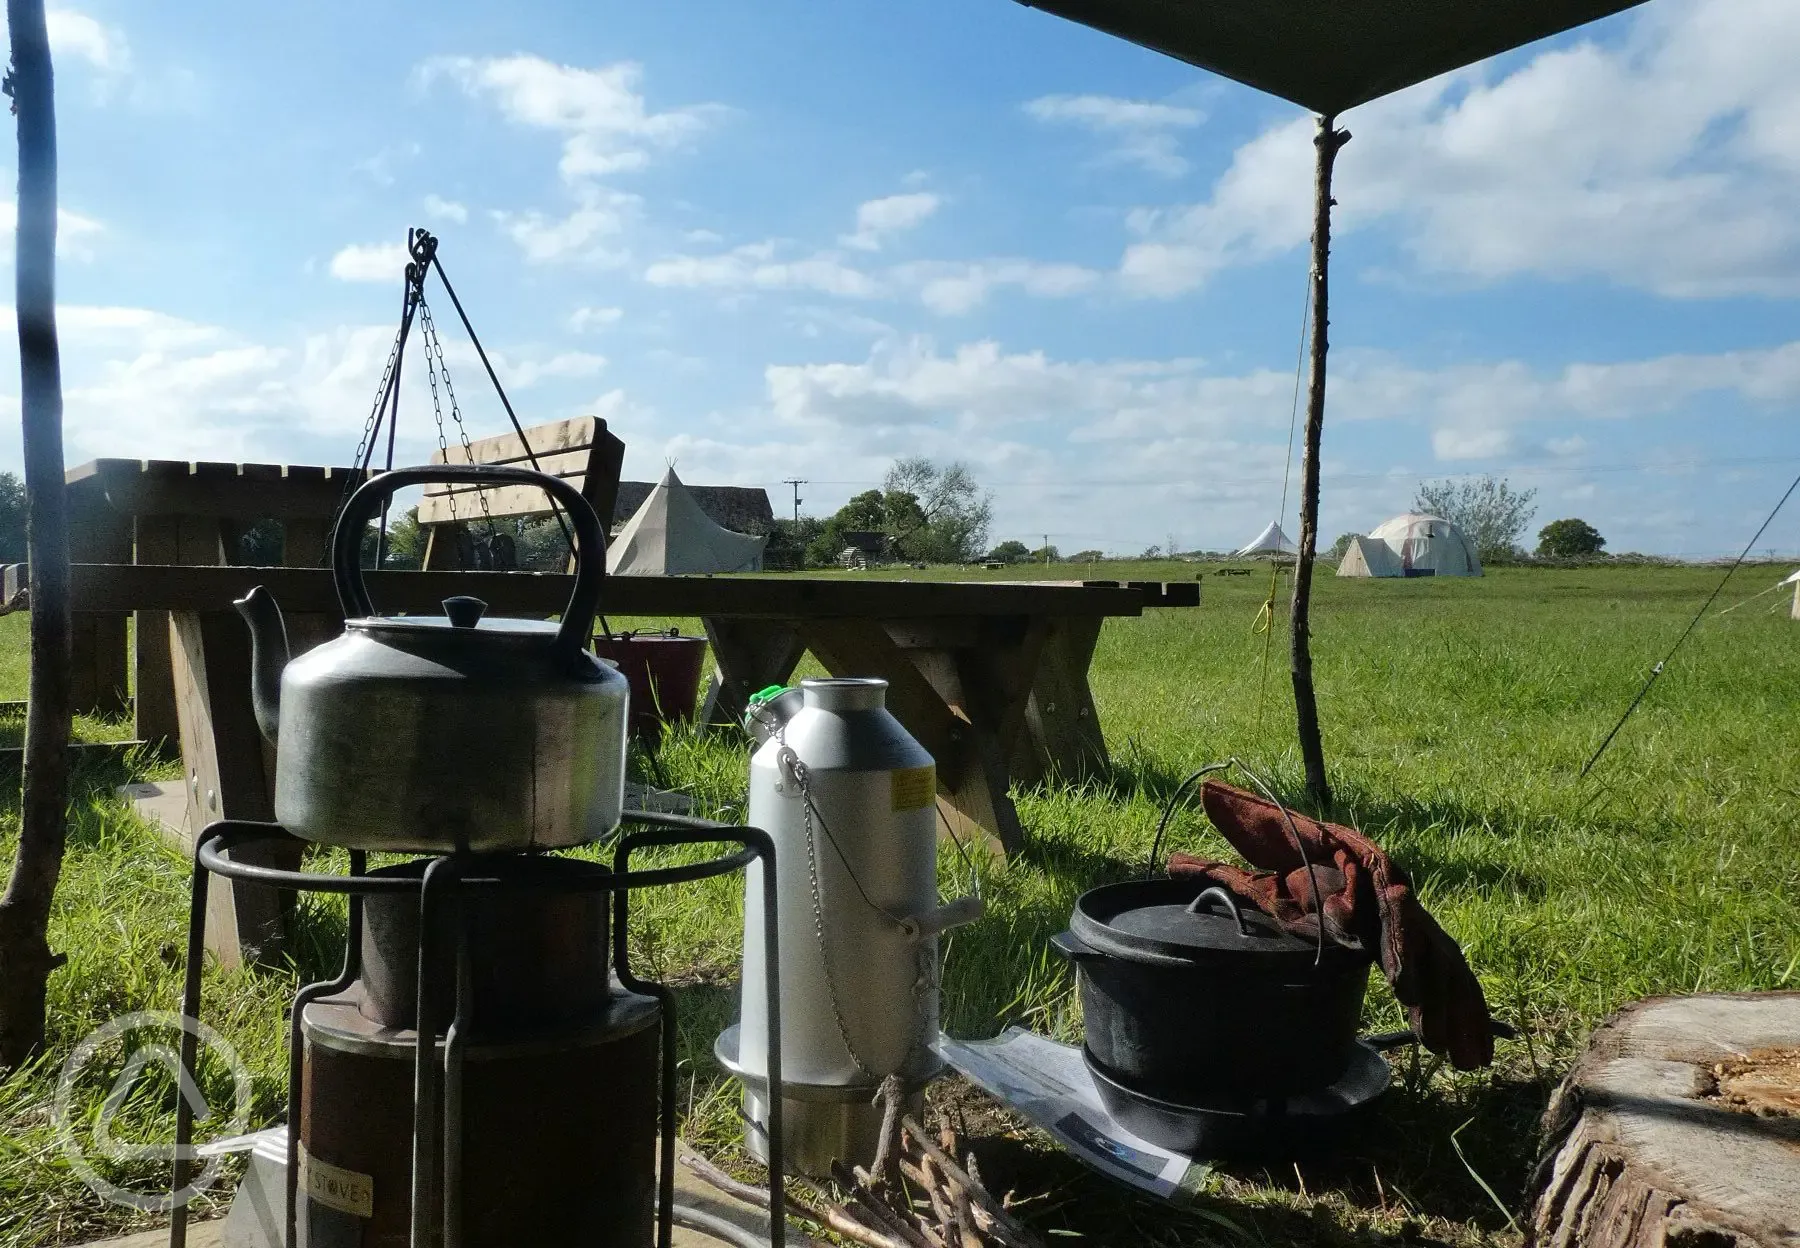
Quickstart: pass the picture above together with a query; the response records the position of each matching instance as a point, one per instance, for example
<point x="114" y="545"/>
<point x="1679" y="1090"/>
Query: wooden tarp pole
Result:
<point x="1306" y="708"/>
<point x="25" y="958"/>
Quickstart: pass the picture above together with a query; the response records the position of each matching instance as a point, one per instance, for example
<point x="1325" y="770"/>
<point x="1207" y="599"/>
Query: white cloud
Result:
<point x="606" y="124"/>
<point x="755" y="266"/>
<point x="75" y="234"/>
<point x="76" y="34"/>
<point x="564" y="364"/>
<point x="877" y="218"/>
<point x="949" y="288"/>
<point x="585" y="320"/>
<point x="581" y="235"/>
<point x="371" y="262"/>
<point x="1669" y="162"/>
<point x="1143" y="133"/>
<point x="1114" y="441"/>
<point x="953" y="289"/>
<point x="445" y="209"/>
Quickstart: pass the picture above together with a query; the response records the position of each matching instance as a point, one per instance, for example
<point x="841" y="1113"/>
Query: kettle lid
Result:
<point x="463" y="616"/>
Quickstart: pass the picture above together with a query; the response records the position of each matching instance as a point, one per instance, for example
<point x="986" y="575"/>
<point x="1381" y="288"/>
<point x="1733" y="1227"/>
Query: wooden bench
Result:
<point x="580" y="451"/>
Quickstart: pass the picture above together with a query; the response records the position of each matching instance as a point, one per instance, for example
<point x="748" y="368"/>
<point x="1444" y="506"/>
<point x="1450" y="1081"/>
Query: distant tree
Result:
<point x="12" y="518"/>
<point x="1009" y="551"/>
<point x="1490" y="513"/>
<point x="1341" y="547"/>
<point x="1087" y="556"/>
<point x="1152" y="552"/>
<point x="951" y="525"/>
<point x="1565" y="539"/>
<point x="1045" y="554"/>
<point x="927" y="513"/>
<point x="789" y="540"/>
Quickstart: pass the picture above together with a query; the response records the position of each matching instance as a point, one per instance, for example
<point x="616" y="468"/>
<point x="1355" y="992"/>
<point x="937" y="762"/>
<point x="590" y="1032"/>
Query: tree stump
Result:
<point x="1679" y="1126"/>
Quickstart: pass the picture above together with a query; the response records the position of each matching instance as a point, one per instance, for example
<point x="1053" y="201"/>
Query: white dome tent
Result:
<point x="1412" y="545"/>
<point x="1271" y="541"/>
<point x="669" y="535"/>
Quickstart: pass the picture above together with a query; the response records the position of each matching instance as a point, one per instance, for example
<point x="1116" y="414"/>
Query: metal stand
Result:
<point x="445" y="881"/>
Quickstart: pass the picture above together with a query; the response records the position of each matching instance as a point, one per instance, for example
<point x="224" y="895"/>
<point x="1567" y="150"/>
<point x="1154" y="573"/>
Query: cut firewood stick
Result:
<point x="892" y="1099"/>
<point x="879" y="1213"/>
<point x="749" y="1193"/>
<point x="928" y="1179"/>
<point x="842" y="1221"/>
<point x="1007" y="1227"/>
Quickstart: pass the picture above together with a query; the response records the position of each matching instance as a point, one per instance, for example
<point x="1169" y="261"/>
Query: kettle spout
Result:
<point x="268" y="655"/>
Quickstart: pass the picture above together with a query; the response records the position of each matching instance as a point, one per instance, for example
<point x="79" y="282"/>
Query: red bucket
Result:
<point x="663" y="670"/>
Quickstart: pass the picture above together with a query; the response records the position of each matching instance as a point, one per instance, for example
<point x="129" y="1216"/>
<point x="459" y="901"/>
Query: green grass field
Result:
<point x="1456" y="716"/>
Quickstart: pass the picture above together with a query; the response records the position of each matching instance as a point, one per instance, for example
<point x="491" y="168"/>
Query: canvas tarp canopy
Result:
<point x="670" y="536"/>
<point x="1271" y="541"/>
<point x="1791" y="578"/>
<point x="1417" y="545"/>
<point x="1367" y="556"/>
<point x="1328" y="55"/>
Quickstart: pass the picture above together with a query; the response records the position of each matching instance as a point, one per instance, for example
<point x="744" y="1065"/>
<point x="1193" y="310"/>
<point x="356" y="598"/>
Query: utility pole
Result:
<point x="796" y="482"/>
<point x="1046" y="550"/>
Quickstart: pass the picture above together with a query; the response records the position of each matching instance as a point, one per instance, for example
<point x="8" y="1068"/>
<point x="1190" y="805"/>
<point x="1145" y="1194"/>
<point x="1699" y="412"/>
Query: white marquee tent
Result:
<point x="1412" y="545"/>
<point x="670" y="536"/>
<point x="1271" y="541"/>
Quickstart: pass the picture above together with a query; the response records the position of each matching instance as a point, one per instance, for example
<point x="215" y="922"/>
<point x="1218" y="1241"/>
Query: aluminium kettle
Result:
<point x="451" y="733"/>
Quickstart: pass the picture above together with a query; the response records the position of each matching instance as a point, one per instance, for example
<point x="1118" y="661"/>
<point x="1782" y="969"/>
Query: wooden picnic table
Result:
<point x="176" y="511"/>
<point x="991" y="677"/>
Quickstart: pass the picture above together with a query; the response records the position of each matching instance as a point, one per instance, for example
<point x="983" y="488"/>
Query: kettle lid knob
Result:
<point x="464" y="611"/>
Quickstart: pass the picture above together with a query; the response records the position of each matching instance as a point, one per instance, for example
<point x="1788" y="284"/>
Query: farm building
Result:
<point x="1412" y="545"/>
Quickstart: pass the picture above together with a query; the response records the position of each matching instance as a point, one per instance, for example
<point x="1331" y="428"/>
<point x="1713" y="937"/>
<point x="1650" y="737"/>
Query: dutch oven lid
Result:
<point x="1184" y="919"/>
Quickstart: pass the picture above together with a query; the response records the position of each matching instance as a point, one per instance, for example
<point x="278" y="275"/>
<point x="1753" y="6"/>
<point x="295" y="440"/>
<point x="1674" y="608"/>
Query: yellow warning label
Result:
<point x="337" y="1188"/>
<point x="914" y="787"/>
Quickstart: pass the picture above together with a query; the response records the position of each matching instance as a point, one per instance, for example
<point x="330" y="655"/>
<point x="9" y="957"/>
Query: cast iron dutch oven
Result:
<point x="1189" y="997"/>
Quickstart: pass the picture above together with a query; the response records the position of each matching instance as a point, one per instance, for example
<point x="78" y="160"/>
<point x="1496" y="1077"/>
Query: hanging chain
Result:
<point x="434" y="365"/>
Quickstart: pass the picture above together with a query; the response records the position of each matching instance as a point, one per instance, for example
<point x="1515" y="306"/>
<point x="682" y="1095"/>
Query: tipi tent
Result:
<point x="1271" y="541"/>
<point x="1793" y="578"/>
<point x="1412" y="545"/>
<point x="669" y="535"/>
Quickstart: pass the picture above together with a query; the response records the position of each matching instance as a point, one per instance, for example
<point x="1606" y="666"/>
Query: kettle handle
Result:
<point x="590" y="537"/>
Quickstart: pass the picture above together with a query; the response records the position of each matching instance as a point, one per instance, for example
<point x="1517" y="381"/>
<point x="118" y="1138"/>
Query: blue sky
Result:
<point x="799" y="239"/>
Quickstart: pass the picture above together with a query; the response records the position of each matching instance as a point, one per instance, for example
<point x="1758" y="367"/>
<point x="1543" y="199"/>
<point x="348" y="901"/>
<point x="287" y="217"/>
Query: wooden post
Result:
<point x="1306" y="708"/>
<point x="167" y="540"/>
<point x="100" y="670"/>
<point x="25" y="958"/>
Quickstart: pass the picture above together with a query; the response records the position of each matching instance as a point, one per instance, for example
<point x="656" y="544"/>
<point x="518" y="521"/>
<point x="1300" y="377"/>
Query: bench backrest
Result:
<point x="580" y="451"/>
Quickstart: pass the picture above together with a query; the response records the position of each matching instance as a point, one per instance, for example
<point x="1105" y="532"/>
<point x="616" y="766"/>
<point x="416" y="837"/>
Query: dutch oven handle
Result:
<point x="1073" y="947"/>
<point x="590" y="538"/>
<point x="1196" y="906"/>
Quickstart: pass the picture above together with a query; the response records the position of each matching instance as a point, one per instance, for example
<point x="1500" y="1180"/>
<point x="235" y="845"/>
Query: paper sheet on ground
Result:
<point x="1049" y="1084"/>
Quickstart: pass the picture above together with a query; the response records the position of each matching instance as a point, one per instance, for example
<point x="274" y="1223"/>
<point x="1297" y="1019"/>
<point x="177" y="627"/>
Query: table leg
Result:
<point x="99" y="671"/>
<point x="959" y="686"/>
<point x="748" y="655"/>
<point x="166" y="540"/>
<point x="1062" y="738"/>
<point x="227" y="776"/>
